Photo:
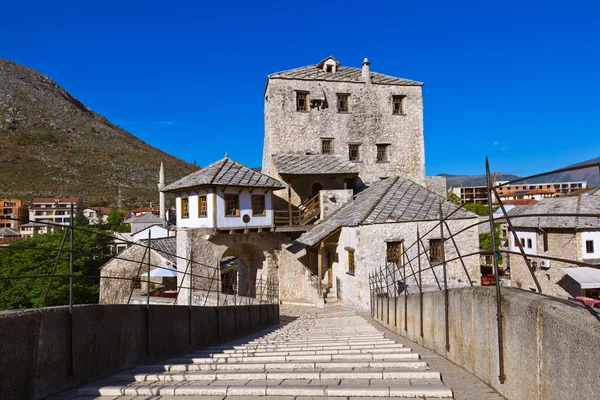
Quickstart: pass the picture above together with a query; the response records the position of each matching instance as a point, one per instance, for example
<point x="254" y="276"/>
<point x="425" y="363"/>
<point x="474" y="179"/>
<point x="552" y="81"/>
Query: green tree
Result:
<point x="485" y="241"/>
<point x="36" y="256"/>
<point x="455" y="199"/>
<point x="100" y="216"/>
<point x="478" y="208"/>
<point x="115" y="219"/>
<point x="80" y="218"/>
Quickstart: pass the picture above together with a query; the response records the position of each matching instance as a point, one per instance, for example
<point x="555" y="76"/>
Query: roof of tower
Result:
<point x="390" y="200"/>
<point x="224" y="172"/>
<point x="315" y="72"/>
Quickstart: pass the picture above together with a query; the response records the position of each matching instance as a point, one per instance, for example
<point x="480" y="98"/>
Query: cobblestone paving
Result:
<point x="329" y="353"/>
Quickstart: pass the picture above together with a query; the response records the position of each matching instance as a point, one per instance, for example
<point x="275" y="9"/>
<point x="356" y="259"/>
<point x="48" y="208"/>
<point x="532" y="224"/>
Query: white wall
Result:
<point x="156" y="232"/>
<point x="224" y="222"/>
<point x="245" y="208"/>
<point x="525" y="235"/>
<point x="595" y="236"/>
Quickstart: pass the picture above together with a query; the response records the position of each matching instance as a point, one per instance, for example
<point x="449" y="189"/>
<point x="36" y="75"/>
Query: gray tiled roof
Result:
<point x="314" y="164"/>
<point x="581" y="204"/>
<point x="166" y="247"/>
<point x="388" y="201"/>
<point x="343" y="74"/>
<point x="8" y="232"/>
<point x="148" y="218"/>
<point x="225" y="172"/>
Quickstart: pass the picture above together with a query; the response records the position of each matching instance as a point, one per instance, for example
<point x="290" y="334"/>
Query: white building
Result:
<point x="225" y="195"/>
<point x="52" y="211"/>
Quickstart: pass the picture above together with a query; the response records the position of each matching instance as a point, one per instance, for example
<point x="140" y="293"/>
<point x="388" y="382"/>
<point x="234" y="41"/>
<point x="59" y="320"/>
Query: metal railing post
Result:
<point x="420" y="280"/>
<point x="446" y="305"/>
<point x="71" y="355"/>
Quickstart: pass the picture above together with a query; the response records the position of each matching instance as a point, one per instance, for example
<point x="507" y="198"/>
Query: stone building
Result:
<point x="569" y="238"/>
<point x="329" y="126"/>
<point x="380" y="227"/>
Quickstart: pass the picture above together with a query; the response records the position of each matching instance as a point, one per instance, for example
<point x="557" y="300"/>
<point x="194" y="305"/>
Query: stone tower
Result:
<point x="371" y="120"/>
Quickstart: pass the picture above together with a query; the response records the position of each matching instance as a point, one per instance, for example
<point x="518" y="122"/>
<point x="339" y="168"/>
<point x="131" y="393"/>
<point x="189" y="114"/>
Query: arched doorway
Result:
<point x="242" y="271"/>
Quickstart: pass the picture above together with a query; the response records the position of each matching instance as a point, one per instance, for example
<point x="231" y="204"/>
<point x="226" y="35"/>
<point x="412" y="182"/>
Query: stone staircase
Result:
<point x="313" y="353"/>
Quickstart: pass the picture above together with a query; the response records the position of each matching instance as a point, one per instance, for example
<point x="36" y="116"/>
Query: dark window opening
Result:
<point x="342" y="100"/>
<point x="326" y="146"/>
<point x="394" y="252"/>
<point x="589" y="246"/>
<point x="383" y="152"/>
<point x="301" y="101"/>
<point x="354" y="152"/>
<point x="436" y="250"/>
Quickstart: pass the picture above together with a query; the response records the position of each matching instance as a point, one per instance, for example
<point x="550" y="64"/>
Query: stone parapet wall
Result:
<point x="549" y="344"/>
<point x="34" y="354"/>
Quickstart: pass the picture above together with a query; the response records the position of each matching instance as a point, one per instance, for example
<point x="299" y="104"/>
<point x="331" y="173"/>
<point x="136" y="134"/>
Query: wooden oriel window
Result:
<point x="232" y="205"/>
<point x="589" y="246"/>
<point x="301" y="101"/>
<point x="398" y="105"/>
<point x="351" y="264"/>
<point x="326" y="146"/>
<point x="354" y="152"/>
<point x="436" y="250"/>
<point x="258" y="205"/>
<point x="185" y="207"/>
<point x="383" y="152"/>
<point x="394" y="252"/>
<point x="202" y="206"/>
<point x="342" y="102"/>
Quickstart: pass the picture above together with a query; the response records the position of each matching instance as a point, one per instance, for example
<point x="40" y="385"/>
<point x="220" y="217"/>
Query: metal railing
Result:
<point x="395" y="279"/>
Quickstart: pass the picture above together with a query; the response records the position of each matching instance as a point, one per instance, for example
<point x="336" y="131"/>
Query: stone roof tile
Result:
<point x="313" y="164"/>
<point x="582" y="204"/>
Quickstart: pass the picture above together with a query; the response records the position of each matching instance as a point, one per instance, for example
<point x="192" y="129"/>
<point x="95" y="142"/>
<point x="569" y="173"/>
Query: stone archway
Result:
<point x="250" y="260"/>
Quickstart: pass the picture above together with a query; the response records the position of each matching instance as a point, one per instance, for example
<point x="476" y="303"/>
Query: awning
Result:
<point x="587" y="277"/>
<point x="165" y="271"/>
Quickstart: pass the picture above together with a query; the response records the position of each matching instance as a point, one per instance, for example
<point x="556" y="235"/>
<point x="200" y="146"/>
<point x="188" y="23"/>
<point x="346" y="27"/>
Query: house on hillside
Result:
<point x="8" y="235"/>
<point x="91" y="213"/>
<point x="145" y="221"/>
<point x="13" y="212"/>
<point x="570" y="238"/>
<point x="52" y="212"/>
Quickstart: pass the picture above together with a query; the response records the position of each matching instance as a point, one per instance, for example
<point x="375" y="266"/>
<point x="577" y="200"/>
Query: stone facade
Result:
<point x="257" y="253"/>
<point x="370" y="244"/>
<point x="369" y="121"/>
<point x="553" y="281"/>
<point x="437" y="185"/>
<point x="332" y="200"/>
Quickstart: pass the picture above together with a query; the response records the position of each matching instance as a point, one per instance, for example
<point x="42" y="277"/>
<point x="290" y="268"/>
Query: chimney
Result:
<point x="366" y="71"/>
<point x="161" y="186"/>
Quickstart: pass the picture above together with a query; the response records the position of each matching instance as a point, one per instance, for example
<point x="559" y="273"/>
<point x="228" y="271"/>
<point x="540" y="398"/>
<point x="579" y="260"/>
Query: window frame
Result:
<point x="343" y="98"/>
<point x="185" y="206"/>
<point x="305" y="94"/>
<point x="264" y="205"/>
<point x="237" y="209"/>
<point x="385" y="146"/>
<point x="402" y="99"/>
<point x="529" y="243"/>
<point x="436" y="250"/>
<point x="396" y="246"/>
<point x="330" y="141"/>
<point x="202" y="200"/>
<point x="357" y="152"/>
<point x="588" y="247"/>
<point x="351" y="261"/>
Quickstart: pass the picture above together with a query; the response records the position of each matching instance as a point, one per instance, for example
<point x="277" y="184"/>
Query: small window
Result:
<point x="394" y="252"/>
<point x="589" y="246"/>
<point x="185" y="207"/>
<point x="398" y="105"/>
<point x="529" y="243"/>
<point x="136" y="282"/>
<point x="383" y="152"/>
<point x="436" y="250"/>
<point x="523" y="242"/>
<point x="342" y="100"/>
<point x="232" y="205"/>
<point x="258" y="205"/>
<point x="301" y="101"/>
<point x="329" y="68"/>
<point x="326" y="146"/>
<point x="350" y="260"/>
<point x="354" y="152"/>
<point x="202" y="206"/>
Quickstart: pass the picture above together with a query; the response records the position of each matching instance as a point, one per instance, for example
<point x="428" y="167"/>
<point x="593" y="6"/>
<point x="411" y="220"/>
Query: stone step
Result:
<point x="319" y="347"/>
<point x="392" y="373"/>
<point x="178" y="367"/>
<point x="306" y="358"/>
<point x="400" y="391"/>
<point x="258" y="353"/>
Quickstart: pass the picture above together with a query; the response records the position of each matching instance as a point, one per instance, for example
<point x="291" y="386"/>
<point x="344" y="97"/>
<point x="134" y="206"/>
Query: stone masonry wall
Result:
<point x="369" y="243"/>
<point x="553" y="281"/>
<point x="437" y="185"/>
<point x="369" y="122"/>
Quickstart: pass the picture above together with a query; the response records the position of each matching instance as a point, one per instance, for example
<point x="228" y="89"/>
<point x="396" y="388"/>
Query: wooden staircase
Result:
<point x="307" y="212"/>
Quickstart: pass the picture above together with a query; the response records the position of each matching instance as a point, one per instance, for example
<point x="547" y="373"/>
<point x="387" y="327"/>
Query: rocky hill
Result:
<point x="52" y="144"/>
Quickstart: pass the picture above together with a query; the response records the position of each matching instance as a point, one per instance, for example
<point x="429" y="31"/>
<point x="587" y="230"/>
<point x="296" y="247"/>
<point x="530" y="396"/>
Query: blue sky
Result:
<point x="516" y="81"/>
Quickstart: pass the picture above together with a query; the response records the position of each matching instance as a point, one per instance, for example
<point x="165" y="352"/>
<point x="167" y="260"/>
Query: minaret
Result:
<point x="161" y="186"/>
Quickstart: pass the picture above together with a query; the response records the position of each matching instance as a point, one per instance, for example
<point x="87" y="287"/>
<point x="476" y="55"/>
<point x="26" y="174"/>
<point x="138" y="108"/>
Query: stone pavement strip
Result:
<point x="327" y="353"/>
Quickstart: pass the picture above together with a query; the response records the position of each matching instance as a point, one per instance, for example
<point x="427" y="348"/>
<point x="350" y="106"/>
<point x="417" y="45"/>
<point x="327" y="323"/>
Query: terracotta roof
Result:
<point x="586" y="191"/>
<point x="225" y="172"/>
<point x="343" y="74"/>
<point x="143" y="209"/>
<point x="317" y="164"/>
<point x="561" y="205"/>
<point x="391" y="200"/>
<point x="103" y="210"/>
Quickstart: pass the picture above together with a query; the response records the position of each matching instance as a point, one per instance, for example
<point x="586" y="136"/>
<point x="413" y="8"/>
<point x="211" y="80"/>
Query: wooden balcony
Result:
<point x="305" y="214"/>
